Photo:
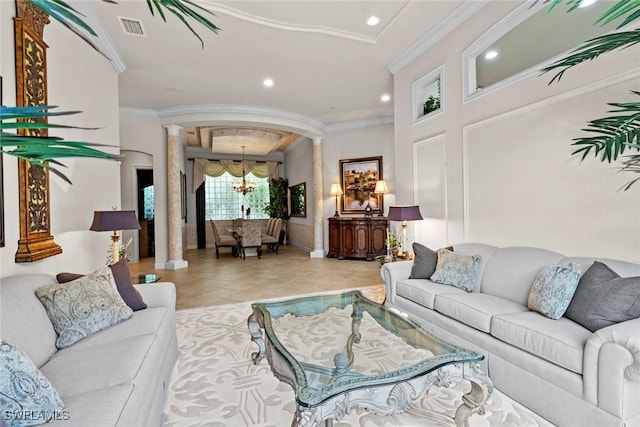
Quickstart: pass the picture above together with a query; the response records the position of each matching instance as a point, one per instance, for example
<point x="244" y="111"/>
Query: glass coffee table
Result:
<point x="341" y="352"/>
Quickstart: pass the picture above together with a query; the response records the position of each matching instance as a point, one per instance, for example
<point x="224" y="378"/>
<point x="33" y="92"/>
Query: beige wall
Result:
<point x="299" y="168"/>
<point x="498" y="169"/>
<point x="93" y="89"/>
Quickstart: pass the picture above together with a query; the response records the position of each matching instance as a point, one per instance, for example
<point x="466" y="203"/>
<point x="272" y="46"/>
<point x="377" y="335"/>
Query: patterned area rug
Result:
<point x="215" y="384"/>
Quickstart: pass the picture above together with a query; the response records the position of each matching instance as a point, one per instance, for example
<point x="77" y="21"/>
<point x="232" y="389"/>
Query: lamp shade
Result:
<point x="381" y="188"/>
<point x="114" y="220"/>
<point x="404" y="213"/>
<point x="335" y="190"/>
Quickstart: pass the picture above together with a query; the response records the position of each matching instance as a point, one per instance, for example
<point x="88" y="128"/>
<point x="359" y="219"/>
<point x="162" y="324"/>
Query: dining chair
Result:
<point x="222" y="241"/>
<point x="272" y="240"/>
<point x="251" y="238"/>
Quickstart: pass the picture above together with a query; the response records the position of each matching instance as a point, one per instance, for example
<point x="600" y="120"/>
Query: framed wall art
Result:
<point x="358" y="179"/>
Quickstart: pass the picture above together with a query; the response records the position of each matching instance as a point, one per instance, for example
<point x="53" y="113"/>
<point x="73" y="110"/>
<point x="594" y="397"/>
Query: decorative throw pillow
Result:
<point x="83" y="306"/>
<point x="603" y="298"/>
<point x="553" y="289"/>
<point x="122" y="276"/>
<point x="27" y="397"/>
<point x="459" y="270"/>
<point x="424" y="263"/>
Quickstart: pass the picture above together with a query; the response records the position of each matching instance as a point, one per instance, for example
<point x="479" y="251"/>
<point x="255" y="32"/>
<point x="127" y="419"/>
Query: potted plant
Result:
<point x="393" y="243"/>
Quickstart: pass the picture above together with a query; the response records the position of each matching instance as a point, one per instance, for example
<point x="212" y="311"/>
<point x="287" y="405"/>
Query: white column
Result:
<point x="174" y="205"/>
<point x="318" y="208"/>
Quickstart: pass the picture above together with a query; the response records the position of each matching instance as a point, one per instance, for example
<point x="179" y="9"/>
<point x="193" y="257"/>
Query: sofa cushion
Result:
<point x="422" y="291"/>
<point x="475" y="309"/>
<point x="559" y="341"/>
<point x="510" y="272"/>
<point x="84" y="306"/>
<point x="124" y="284"/>
<point x="459" y="270"/>
<point x="24" y="389"/>
<point x="77" y="371"/>
<point x="553" y="289"/>
<point x="424" y="263"/>
<point x="36" y="338"/>
<point x="603" y="298"/>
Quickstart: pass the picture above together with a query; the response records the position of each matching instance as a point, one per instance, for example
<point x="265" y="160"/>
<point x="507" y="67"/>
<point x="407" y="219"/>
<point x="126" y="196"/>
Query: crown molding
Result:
<point x="333" y="32"/>
<point x="245" y="112"/>
<point x="103" y="39"/>
<point x="444" y="27"/>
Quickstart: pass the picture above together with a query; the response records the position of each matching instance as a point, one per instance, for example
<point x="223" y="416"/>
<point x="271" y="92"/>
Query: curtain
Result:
<point x="202" y="167"/>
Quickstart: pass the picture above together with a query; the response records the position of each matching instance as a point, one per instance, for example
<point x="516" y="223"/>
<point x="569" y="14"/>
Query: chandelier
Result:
<point x="243" y="186"/>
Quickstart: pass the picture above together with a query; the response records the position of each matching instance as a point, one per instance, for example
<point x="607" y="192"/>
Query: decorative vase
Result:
<point x="395" y="250"/>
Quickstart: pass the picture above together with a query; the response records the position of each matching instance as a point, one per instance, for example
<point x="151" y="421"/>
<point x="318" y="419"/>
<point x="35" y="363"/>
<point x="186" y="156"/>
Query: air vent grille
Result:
<point x="132" y="27"/>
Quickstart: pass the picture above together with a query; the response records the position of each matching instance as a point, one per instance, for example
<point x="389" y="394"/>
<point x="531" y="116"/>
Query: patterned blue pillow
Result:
<point x="83" y="306"/>
<point x="456" y="269"/>
<point x="27" y="398"/>
<point x="553" y="289"/>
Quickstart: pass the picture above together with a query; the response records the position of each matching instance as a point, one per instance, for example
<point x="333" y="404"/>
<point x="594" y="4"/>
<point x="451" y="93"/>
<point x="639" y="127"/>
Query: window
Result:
<point x="148" y="202"/>
<point x="223" y="202"/>
<point x="427" y="95"/>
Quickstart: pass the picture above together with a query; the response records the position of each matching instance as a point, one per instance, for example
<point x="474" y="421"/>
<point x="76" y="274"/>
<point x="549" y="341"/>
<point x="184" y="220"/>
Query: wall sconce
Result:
<point x="381" y="190"/>
<point x="404" y="214"/>
<point x="335" y="190"/>
<point x="114" y="221"/>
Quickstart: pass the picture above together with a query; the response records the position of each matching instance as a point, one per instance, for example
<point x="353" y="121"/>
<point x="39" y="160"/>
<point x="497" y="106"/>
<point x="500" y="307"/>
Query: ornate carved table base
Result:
<point x="388" y="399"/>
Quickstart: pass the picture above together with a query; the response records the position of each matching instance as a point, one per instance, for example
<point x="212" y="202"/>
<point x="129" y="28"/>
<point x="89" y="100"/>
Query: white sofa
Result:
<point x="115" y="377"/>
<point x="557" y="368"/>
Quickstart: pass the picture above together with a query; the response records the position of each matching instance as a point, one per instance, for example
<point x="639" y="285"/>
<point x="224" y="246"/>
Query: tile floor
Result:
<point x="210" y="281"/>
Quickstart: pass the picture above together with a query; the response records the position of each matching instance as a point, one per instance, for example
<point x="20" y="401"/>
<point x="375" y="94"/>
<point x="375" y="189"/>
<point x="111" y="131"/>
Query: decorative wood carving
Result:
<point x="36" y="241"/>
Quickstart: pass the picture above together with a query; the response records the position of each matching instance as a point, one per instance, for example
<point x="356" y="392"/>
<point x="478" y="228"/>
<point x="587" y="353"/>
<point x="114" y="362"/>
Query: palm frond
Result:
<point x="612" y="134"/>
<point x="593" y="48"/>
<point x="43" y="150"/>
<point x="183" y="10"/>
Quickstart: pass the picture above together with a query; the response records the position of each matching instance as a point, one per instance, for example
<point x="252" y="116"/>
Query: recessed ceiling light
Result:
<point x="587" y="3"/>
<point x="385" y="97"/>
<point x="491" y="54"/>
<point x="373" y="20"/>
<point x="268" y="82"/>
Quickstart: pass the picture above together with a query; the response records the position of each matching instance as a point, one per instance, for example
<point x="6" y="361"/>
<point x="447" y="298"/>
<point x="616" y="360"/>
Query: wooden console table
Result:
<point x="357" y="237"/>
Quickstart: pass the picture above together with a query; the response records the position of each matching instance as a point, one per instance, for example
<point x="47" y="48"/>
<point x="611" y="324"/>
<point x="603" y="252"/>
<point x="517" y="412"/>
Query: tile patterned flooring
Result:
<point x="210" y="281"/>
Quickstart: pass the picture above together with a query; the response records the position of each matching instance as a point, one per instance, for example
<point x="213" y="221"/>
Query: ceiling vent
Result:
<point x="132" y="27"/>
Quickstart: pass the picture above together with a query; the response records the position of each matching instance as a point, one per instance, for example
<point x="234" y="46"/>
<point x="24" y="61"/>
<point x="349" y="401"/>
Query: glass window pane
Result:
<point x="223" y="202"/>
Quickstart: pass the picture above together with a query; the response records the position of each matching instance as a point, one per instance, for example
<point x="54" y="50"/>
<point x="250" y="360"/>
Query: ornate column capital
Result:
<point x="173" y="130"/>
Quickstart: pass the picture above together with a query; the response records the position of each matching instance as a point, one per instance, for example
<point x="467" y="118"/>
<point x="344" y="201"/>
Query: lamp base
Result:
<point x="336" y="214"/>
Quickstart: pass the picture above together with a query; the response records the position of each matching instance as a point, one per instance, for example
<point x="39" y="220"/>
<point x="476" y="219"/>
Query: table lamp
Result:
<point x="404" y="214"/>
<point x="114" y="221"/>
<point x="381" y="189"/>
<point x="335" y="190"/>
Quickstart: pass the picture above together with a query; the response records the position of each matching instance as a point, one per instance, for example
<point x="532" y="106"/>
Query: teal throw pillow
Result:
<point x="553" y="289"/>
<point x="83" y="306"/>
<point x="456" y="269"/>
<point x="27" y="398"/>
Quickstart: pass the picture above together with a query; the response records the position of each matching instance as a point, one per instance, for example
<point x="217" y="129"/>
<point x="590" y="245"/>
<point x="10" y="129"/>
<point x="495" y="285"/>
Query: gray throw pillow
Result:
<point x="603" y="298"/>
<point x="424" y="263"/>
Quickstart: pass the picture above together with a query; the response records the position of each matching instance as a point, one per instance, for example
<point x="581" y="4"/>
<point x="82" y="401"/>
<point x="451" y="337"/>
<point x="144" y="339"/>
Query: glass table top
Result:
<point x="335" y="343"/>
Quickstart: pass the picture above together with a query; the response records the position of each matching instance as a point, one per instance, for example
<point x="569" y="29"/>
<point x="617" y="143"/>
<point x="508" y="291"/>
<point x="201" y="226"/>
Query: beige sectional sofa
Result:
<point x="559" y="369"/>
<point x="115" y="377"/>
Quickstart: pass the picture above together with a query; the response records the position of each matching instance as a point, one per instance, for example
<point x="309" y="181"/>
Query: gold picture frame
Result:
<point x="358" y="179"/>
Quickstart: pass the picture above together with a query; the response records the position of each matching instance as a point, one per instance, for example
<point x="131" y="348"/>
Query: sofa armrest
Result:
<point x="611" y="368"/>
<point x="160" y="294"/>
<point x="393" y="272"/>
